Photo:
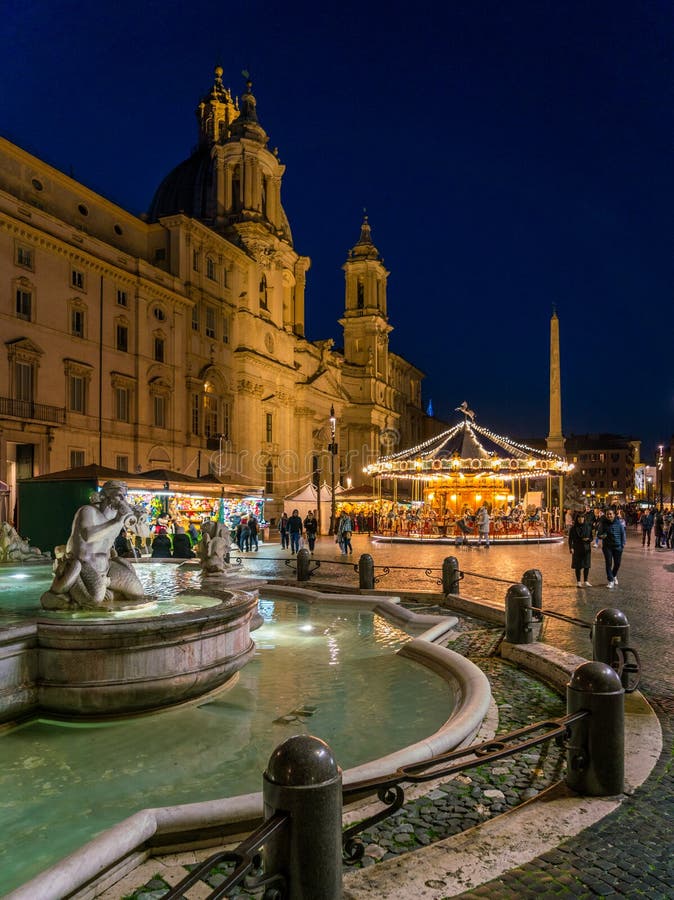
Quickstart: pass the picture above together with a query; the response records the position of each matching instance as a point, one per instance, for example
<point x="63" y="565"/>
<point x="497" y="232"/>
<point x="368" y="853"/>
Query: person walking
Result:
<point x="483" y="526"/>
<point x="580" y="547"/>
<point x="646" y="523"/>
<point x="344" y="529"/>
<point x="283" y="531"/>
<point x="659" y="529"/>
<point x="612" y="533"/>
<point x="295" y="531"/>
<point x="253" y="532"/>
<point x="311" y="528"/>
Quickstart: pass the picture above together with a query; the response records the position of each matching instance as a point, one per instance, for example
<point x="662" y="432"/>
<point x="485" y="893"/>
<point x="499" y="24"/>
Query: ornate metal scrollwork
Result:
<point x="393" y="796"/>
<point x="385" y="571"/>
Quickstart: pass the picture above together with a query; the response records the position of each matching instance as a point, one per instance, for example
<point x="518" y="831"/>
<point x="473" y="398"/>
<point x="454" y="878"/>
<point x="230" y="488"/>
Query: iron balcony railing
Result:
<point x="28" y="409"/>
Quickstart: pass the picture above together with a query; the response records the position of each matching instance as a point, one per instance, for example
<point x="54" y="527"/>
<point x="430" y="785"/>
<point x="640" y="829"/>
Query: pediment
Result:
<point x="24" y="345"/>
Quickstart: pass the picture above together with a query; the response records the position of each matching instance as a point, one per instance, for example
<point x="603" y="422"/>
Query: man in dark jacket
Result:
<point x="612" y="533"/>
<point x="295" y="531"/>
<point x="646" y="523"/>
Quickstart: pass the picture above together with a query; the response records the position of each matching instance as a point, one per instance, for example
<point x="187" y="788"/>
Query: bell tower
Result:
<point x="365" y="320"/>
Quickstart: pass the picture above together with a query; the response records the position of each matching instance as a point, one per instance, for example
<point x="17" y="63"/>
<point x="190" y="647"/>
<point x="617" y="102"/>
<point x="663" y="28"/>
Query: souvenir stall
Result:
<point x="455" y="473"/>
<point x="171" y="497"/>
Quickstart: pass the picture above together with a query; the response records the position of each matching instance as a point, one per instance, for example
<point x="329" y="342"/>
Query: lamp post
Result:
<point x="661" y="462"/>
<point x="332" y="449"/>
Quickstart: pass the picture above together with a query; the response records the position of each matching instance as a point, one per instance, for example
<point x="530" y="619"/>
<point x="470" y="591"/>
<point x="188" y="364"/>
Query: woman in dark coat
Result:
<point x="182" y="546"/>
<point x="161" y="545"/>
<point x="580" y="547"/>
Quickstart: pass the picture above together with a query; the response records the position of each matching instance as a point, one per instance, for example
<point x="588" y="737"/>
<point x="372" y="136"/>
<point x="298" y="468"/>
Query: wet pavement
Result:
<point x="628" y="853"/>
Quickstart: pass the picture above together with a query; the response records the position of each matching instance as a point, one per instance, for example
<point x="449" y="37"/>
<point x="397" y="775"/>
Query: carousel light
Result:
<point x="453" y="498"/>
<point x="511" y="497"/>
<point x="431" y="495"/>
<point x="478" y="497"/>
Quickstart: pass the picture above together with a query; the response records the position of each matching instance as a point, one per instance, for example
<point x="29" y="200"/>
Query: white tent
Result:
<point x="305" y="499"/>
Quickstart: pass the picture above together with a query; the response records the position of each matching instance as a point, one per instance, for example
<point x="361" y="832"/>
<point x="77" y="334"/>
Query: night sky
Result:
<point x="512" y="156"/>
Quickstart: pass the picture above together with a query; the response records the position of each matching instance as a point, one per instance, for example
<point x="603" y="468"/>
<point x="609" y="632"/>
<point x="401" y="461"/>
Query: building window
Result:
<point x="196" y="414"/>
<point x="195" y="318"/>
<point x="122" y="299"/>
<point x="122" y="338"/>
<point x="77" y="388"/>
<point x="361" y="295"/>
<point x="24" y="257"/>
<point x="24" y="381"/>
<point x="195" y="260"/>
<point x="269" y="429"/>
<point x="226" y="407"/>
<point x="77" y="322"/>
<point x="122" y="463"/>
<point x="24" y="304"/>
<point x="122" y="406"/>
<point x="210" y="268"/>
<point x="159" y="349"/>
<point x="210" y="322"/>
<point x="159" y="410"/>
<point x="225" y="329"/>
<point x="269" y="479"/>
<point x="77" y="279"/>
<point x="210" y="415"/>
<point x="225" y="278"/>
<point x="76" y="459"/>
<point x="263" y="293"/>
<point x="159" y="314"/>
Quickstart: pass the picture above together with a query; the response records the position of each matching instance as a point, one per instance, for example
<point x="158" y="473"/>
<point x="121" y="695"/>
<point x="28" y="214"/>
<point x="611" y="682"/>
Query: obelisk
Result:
<point x="555" y="439"/>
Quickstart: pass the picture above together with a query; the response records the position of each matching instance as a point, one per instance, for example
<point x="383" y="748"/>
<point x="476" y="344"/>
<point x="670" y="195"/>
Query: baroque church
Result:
<point x="176" y="340"/>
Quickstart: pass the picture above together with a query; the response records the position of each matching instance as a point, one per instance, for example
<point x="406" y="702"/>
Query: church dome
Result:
<point x="186" y="189"/>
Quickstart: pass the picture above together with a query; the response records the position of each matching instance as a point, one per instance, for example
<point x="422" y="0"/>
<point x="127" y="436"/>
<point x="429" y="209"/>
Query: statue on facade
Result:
<point x="88" y="574"/>
<point x="14" y="548"/>
<point x="213" y="549"/>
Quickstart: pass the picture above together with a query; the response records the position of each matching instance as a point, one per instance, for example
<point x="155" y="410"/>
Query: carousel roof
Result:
<point x="468" y="447"/>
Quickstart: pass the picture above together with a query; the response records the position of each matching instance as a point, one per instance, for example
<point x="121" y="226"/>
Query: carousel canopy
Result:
<point x="469" y="449"/>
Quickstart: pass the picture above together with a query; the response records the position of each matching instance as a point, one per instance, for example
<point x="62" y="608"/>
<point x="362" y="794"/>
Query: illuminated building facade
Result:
<point x="176" y="340"/>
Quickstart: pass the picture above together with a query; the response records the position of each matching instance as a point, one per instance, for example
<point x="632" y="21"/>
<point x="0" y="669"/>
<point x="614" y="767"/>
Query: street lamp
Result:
<point x="332" y="450"/>
<point x="661" y="462"/>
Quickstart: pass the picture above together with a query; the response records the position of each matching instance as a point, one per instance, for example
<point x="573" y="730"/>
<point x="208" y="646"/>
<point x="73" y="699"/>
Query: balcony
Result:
<point x="29" y="410"/>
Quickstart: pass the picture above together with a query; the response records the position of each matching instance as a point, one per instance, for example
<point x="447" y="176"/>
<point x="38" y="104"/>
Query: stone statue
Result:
<point x="14" y="548"/>
<point x="88" y="574"/>
<point x="213" y="549"/>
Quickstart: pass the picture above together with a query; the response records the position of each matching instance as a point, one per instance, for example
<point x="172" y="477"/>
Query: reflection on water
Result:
<point x="21" y="589"/>
<point x="323" y="671"/>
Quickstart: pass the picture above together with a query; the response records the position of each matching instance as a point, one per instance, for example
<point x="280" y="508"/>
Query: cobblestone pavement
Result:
<point x="627" y="854"/>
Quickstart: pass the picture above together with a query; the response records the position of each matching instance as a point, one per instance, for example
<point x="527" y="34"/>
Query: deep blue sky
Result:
<point x="511" y="156"/>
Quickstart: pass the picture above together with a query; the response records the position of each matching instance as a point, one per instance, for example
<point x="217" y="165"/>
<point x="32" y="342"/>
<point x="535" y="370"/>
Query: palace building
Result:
<point x="176" y="341"/>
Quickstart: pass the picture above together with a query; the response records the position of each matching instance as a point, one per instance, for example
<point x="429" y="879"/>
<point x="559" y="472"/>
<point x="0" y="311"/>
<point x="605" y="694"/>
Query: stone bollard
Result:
<point x="303" y="780"/>
<point x="595" y="752"/>
<point x="450" y="575"/>
<point x="366" y="572"/>
<point x="303" y="564"/>
<point x="610" y="631"/>
<point x="533" y="581"/>
<point x="518" y="628"/>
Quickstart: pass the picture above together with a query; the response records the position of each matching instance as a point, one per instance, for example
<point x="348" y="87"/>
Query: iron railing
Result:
<point x="28" y="409"/>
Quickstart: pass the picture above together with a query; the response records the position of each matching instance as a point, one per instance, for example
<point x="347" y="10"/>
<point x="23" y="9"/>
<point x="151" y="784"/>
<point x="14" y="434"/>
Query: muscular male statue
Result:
<point x="86" y="575"/>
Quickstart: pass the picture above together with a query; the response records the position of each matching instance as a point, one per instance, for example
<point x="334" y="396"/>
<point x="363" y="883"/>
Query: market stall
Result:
<point x="306" y="498"/>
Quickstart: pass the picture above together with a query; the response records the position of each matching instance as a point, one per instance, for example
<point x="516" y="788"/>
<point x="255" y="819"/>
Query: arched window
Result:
<point x="263" y="293"/>
<point x="361" y="294"/>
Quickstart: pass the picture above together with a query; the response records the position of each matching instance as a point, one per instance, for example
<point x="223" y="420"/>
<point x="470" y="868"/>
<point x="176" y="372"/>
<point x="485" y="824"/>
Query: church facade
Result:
<point x="177" y="340"/>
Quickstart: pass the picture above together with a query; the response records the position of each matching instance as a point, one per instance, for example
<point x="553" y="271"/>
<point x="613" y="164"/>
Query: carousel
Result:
<point x="454" y="474"/>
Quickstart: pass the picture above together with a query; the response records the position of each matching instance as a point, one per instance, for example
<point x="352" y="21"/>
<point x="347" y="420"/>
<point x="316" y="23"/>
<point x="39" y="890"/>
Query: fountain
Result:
<point x="15" y="549"/>
<point x="86" y="657"/>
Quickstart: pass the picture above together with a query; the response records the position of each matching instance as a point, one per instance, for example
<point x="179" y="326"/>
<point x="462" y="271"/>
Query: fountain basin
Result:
<point x="120" y="664"/>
